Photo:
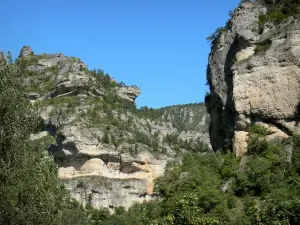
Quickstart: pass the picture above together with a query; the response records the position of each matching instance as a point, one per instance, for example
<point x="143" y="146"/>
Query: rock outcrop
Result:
<point x="254" y="77"/>
<point x="25" y="51"/>
<point x="107" y="151"/>
<point x="129" y="93"/>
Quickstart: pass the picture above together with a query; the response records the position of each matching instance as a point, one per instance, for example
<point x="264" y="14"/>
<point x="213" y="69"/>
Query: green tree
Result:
<point x="73" y="213"/>
<point x="214" y="36"/>
<point x="106" y="138"/>
<point x="29" y="193"/>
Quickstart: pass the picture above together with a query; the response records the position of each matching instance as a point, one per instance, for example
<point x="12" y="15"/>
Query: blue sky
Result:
<point x="158" y="45"/>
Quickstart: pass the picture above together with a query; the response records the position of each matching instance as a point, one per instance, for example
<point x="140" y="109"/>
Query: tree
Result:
<point x="213" y="37"/>
<point x="29" y="192"/>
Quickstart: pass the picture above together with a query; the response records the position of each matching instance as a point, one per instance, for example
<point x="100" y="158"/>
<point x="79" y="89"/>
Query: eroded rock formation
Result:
<point x="108" y="153"/>
<point x="254" y="77"/>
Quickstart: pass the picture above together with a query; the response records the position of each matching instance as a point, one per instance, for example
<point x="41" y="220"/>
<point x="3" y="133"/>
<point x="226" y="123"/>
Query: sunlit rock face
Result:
<point x="110" y="182"/>
<point x="254" y="77"/>
<point x="108" y="155"/>
<point x="99" y="174"/>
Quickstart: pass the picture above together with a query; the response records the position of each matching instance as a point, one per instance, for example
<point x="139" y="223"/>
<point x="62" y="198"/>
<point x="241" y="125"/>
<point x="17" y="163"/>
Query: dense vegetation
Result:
<point x="263" y="188"/>
<point x="201" y="188"/>
<point x="279" y="10"/>
<point x="120" y="120"/>
<point x="29" y="192"/>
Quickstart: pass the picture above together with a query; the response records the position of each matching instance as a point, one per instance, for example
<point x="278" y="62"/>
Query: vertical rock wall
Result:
<point x="254" y="78"/>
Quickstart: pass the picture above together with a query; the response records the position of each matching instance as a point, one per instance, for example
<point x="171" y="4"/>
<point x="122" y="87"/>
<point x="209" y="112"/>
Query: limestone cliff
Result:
<point x="108" y="152"/>
<point x="254" y="77"/>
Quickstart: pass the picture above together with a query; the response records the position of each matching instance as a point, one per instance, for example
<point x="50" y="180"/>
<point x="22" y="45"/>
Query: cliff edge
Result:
<point x="108" y="152"/>
<point x="254" y="77"/>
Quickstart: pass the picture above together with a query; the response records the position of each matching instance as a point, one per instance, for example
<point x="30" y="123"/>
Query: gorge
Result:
<point x="76" y="150"/>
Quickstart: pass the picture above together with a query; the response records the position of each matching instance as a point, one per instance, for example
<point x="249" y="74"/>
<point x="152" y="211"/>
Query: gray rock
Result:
<point x="248" y="86"/>
<point x="25" y="51"/>
<point x="39" y="135"/>
<point x="112" y="173"/>
<point x="183" y="175"/>
<point x="226" y="186"/>
<point x="129" y="93"/>
<point x="33" y="96"/>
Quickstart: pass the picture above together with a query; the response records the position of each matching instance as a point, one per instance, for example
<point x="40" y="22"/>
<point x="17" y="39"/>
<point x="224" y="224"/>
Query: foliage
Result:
<point x="29" y="193"/>
<point x="106" y="138"/>
<point x="263" y="47"/>
<point x="27" y="61"/>
<point x="214" y="36"/>
<point x="258" y="130"/>
<point x="296" y="153"/>
<point x="73" y="213"/>
<point x="264" y="189"/>
<point x="200" y="188"/>
<point x="142" y="138"/>
<point x="192" y="199"/>
<point x="279" y="10"/>
<point x="104" y="79"/>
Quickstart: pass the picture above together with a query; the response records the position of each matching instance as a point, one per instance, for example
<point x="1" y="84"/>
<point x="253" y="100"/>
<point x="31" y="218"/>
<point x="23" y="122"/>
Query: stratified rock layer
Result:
<point x="108" y="154"/>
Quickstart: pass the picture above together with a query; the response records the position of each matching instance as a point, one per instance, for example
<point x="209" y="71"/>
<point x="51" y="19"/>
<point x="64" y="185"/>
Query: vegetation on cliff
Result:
<point x="32" y="185"/>
<point x="262" y="188"/>
<point x="29" y="192"/>
<point x="279" y="10"/>
<point x="201" y="187"/>
<point x="92" y="99"/>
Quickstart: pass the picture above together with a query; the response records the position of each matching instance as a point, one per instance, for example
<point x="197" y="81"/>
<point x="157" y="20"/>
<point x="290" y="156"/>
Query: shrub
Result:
<point x="106" y="138"/>
<point x="214" y="36"/>
<point x="258" y="130"/>
<point x="296" y="153"/>
<point x="279" y="10"/>
<point x="263" y="47"/>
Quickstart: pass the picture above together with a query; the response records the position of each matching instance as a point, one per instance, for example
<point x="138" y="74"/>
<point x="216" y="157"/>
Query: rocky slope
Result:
<point x="108" y="152"/>
<point x="191" y="120"/>
<point x="254" y="77"/>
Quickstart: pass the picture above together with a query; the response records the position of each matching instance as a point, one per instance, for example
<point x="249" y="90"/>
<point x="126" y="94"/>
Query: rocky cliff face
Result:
<point x="254" y="77"/>
<point x="108" y="152"/>
<point x="191" y="120"/>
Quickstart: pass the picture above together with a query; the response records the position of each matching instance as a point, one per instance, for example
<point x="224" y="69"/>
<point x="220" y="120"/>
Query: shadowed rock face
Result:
<point x="252" y="86"/>
<point x="107" y="154"/>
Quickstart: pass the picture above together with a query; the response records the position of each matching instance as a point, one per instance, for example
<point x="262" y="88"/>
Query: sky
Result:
<point x="158" y="45"/>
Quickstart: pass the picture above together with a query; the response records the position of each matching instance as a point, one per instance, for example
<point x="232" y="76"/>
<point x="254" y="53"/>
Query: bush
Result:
<point x="258" y="130"/>
<point x="296" y="153"/>
<point x="263" y="47"/>
<point x="214" y="36"/>
<point x="106" y="138"/>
